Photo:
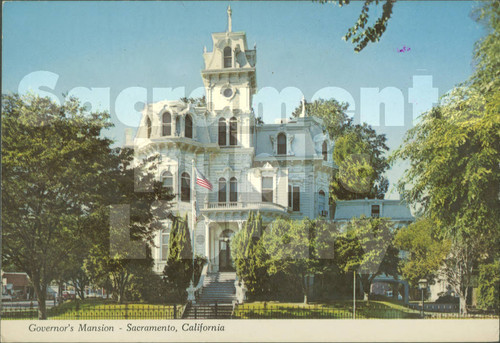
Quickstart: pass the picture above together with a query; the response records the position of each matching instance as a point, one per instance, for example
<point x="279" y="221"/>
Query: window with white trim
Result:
<point x="267" y="189"/>
<point x="164" y="246"/>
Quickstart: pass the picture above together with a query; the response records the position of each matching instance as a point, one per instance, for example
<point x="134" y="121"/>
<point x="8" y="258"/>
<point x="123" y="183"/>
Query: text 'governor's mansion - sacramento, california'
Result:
<point x="280" y="170"/>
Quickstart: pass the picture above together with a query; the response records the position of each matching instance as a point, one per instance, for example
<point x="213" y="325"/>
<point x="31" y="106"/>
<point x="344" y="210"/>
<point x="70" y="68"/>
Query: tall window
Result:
<point x="325" y="151"/>
<point x="148" y="125"/>
<point x="222" y="190"/>
<point x="233" y="131"/>
<point x="322" y="203"/>
<point x="228" y="63"/>
<point x="233" y="190"/>
<point x="167" y="180"/>
<point x="375" y="211"/>
<point x="185" y="187"/>
<point x="222" y="131"/>
<point x="267" y="189"/>
<point x="164" y="246"/>
<point x="178" y="126"/>
<point x="167" y="124"/>
<point x="281" y="144"/>
<point x="188" y="129"/>
<point x="296" y="199"/>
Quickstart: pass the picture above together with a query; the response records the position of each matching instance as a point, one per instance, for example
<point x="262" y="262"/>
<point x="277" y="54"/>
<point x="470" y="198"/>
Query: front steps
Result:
<point x="216" y="298"/>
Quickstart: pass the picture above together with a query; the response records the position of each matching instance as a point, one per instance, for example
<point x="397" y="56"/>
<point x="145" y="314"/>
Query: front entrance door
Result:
<point x="225" y="262"/>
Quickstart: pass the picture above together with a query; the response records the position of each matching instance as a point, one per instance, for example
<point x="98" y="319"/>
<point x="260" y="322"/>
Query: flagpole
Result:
<point x="193" y="209"/>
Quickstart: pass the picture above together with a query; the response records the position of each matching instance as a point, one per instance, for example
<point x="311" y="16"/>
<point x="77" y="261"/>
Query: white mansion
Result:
<point x="280" y="169"/>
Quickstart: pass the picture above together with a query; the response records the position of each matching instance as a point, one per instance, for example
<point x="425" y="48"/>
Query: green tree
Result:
<point x="366" y="247"/>
<point x="425" y="251"/>
<point x="359" y="152"/>
<point x="488" y="296"/>
<point x="52" y="158"/>
<point x="361" y="33"/>
<point x="249" y="256"/>
<point x="179" y="268"/>
<point x="294" y="250"/>
<point x="131" y="205"/>
<point x="454" y="173"/>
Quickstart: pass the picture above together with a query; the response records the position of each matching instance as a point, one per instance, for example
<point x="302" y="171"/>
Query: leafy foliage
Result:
<point x="361" y="33"/>
<point x="179" y="268"/>
<point x="454" y="173"/>
<point x="488" y="296"/>
<point x="359" y="152"/>
<point x="295" y="249"/>
<point x="426" y="252"/>
<point x="366" y="246"/>
<point x="250" y="257"/>
<point x="52" y="160"/>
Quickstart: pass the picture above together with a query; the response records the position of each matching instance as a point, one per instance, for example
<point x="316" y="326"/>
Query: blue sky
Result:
<point x="116" y="46"/>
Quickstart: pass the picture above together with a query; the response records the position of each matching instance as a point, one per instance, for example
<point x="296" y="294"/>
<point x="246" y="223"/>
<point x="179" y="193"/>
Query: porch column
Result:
<point x="207" y="239"/>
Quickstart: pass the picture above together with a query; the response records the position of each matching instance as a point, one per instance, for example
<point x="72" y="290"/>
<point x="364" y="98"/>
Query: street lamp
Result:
<point x="422" y="284"/>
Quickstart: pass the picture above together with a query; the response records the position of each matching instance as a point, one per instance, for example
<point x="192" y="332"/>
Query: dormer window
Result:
<point x="282" y="144"/>
<point x="167" y="124"/>
<point x="188" y="129"/>
<point x="228" y="60"/>
<point x="149" y="128"/>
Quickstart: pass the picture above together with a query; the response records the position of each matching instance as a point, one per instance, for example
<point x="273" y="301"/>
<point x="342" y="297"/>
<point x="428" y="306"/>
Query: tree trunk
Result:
<point x="41" y="295"/>
<point x="463" y="301"/>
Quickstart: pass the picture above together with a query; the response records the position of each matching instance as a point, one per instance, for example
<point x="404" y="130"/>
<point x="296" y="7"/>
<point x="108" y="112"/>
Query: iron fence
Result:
<point x="372" y="311"/>
<point x="86" y="311"/>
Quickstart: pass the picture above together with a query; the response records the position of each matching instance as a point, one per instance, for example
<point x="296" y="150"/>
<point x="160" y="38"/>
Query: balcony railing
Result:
<point x="256" y="206"/>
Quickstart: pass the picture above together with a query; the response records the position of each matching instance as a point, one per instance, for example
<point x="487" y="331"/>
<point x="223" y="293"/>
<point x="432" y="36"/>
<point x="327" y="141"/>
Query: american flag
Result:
<point x="202" y="180"/>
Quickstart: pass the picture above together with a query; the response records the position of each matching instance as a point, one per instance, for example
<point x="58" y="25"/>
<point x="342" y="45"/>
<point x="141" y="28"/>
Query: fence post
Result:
<point x="77" y="308"/>
<point x="175" y="311"/>
<point x="195" y="313"/>
<point x="126" y="311"/>
<point x="216" y="309"/>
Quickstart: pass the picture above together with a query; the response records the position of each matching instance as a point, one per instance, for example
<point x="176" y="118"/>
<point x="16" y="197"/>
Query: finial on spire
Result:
<point x="229" y="23"/>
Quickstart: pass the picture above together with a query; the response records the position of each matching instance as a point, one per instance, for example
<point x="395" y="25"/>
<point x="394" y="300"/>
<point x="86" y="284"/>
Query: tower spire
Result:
<point x="229" y="21"/>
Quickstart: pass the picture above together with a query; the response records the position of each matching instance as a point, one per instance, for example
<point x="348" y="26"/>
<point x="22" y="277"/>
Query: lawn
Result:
<point x="335" y="310"/>
<point x="100" y="309"/>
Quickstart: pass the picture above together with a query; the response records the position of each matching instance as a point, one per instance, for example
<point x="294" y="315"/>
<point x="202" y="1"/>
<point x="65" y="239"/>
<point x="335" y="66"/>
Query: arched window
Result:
<point x="324" y="151"/>
<point x="188" y="130"/>
<point x="228" y="61"/>
<point x="322" y="203"/>
<point x="185" y="187"/>
<point x="167" y="124"/>
<point x="233" y="190"/>
<point x="281" y="144"/>
<point x="233" y="131"/>
<point x="167" y="180"/>
<point x="178" y="126"/>
<point x="222" y="190"/>
<point x="222" y="131"/>
<point x="149" y="128"/>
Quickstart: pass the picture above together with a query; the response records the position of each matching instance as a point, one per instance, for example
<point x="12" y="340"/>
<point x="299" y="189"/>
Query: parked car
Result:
<point x="68" y="295"/>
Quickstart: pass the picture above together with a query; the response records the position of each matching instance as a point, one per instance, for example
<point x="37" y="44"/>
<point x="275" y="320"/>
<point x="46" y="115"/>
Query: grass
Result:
<point x="100" y="309"/>
<point x="334" y="310"/>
